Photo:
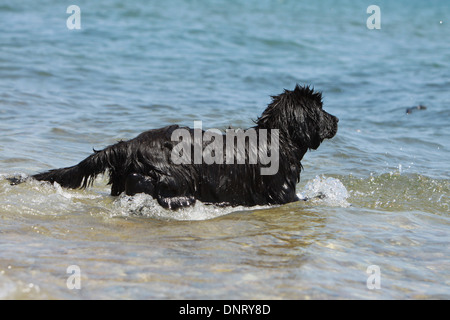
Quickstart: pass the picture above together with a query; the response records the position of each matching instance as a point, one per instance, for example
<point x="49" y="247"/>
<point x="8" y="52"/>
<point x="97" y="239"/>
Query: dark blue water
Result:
<point x="145" y="64"/>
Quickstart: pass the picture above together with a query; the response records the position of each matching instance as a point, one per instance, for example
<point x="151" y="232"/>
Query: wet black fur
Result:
<point x="143" y="164"/>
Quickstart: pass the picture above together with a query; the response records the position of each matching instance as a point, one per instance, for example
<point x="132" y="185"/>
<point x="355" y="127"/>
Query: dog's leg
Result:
<point x="174" y="193"/>
<point x="137" y="183"/>
<point x="175" y="203"/>
<point x="166" y="197"/>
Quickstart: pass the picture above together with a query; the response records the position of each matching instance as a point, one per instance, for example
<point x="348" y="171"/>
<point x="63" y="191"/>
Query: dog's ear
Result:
<point x="307" y="109"/>
<point x="306" y="133"/>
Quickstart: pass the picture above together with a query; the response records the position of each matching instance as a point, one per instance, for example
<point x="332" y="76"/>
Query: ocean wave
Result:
<point x="395" y="191"/>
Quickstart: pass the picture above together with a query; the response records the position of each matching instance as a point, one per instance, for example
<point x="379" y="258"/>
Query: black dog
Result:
<point x="145" y="163"/>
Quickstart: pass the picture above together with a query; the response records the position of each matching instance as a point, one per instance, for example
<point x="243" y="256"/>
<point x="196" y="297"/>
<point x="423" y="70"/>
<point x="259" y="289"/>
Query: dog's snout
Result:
<point x="336" y="119"/>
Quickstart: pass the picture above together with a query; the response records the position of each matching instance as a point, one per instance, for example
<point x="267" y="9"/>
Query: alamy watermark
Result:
<point x="251" y="146"/>
<point x="374" y="21"/>
<point x="374" y="279"/>
<point x="74" y="280"/>
<point x="74" y="20"/>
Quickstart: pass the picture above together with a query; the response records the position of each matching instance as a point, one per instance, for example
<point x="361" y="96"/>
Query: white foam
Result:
<point x="73" y="194"/>
<point x="321" y="190"/>
<point x="325" y="190"/>
<point x="44" y="198"/>
<point x="144" y="205"/>
<point x="7" y="287"/>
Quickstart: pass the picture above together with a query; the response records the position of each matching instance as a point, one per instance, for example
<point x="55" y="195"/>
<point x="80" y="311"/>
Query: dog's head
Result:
<point x="298" y="114"/>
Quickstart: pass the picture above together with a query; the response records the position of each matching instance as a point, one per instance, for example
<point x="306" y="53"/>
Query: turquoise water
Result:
<point x="145" y="64"/>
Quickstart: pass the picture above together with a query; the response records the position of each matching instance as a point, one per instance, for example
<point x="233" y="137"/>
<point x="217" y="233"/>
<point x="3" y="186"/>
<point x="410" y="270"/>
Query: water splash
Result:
<point x="322" y="190"/>
<point x="325" y="190"/>
<point x="43" y="198"/>
<point x="144" y="205"/>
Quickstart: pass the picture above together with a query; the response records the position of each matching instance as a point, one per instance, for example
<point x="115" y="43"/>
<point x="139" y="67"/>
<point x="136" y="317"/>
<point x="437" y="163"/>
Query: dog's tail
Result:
<point x="82" y="175"/>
